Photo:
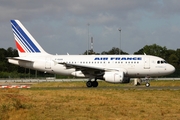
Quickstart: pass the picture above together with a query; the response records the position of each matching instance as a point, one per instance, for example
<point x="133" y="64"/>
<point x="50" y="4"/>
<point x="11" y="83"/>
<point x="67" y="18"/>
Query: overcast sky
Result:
<point x="61" y="26"/>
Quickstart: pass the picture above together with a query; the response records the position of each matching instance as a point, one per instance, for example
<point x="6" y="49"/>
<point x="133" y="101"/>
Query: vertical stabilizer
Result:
<point x="25" y="43"/>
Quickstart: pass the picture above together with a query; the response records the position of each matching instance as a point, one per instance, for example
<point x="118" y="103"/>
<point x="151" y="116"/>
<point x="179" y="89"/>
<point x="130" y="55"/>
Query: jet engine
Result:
<point x="113" y="77"/>
<point x="116" y="77"/>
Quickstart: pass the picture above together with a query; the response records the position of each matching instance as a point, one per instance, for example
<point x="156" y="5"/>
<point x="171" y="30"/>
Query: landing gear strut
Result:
<point x="92" y="83"/>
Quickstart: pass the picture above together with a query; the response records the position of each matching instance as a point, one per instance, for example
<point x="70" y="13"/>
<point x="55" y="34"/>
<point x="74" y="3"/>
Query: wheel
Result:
<point x="147" y="84"/>
<point x="94" y="83"/>
<point x="89" y="84"/>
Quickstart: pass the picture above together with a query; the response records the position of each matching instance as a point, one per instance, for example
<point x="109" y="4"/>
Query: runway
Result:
<point x="78" y="84"/>
<point x="112" y="87"/>
<point x="128" y="87"/>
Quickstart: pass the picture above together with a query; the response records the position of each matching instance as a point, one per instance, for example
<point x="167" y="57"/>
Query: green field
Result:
<point x="90" y="103"/>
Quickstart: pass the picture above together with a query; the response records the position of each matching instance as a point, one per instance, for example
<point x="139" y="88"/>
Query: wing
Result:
<point x="89" y="70"/>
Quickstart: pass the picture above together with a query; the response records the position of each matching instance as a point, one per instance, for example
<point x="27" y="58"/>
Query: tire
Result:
<point x="94" y="83"/>
<point x="89" y="84"/>
<point x="147" y="84"/>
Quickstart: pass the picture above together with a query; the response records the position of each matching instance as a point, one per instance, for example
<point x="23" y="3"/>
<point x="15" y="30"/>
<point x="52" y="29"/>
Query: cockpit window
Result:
<point x="161" y="62"/>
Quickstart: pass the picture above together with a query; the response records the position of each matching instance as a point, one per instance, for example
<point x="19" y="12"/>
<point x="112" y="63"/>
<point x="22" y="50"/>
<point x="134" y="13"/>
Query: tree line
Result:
<point x="8" y="70"/>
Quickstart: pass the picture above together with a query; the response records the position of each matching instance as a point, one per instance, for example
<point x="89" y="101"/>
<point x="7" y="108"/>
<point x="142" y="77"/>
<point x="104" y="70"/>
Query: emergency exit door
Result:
<point x="48" y="63"/>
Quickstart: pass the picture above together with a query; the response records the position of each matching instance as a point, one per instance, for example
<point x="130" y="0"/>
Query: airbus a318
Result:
<point x="110" y="68"/>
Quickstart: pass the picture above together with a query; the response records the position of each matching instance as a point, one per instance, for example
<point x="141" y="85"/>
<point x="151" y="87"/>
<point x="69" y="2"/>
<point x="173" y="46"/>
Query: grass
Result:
<point x="90" y="104"/>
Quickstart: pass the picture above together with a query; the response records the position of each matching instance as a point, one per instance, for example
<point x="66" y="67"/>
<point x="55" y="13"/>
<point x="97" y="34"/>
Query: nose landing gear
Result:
<point x="138" y="81"/>
<point x="147" y="84"/>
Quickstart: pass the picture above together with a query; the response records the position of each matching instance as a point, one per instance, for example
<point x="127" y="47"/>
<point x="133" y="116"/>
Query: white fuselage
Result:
<point x="131" y="65"/>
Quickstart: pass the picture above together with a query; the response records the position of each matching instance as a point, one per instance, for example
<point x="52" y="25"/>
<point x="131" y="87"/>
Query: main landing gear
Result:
<point x="92" y="83"/>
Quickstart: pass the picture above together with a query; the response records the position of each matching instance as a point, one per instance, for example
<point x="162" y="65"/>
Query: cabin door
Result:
<point x="147" y="63"/>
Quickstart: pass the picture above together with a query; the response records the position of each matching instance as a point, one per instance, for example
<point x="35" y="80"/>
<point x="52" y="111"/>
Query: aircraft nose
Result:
<point x="171" y="69"/>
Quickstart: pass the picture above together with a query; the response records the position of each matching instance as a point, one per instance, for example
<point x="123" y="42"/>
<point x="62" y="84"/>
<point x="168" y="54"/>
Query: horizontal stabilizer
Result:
<point x="19" y="59"/>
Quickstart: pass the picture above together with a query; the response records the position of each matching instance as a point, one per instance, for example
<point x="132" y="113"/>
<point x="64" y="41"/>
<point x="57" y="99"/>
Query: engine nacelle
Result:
<point x="114" y="77"/>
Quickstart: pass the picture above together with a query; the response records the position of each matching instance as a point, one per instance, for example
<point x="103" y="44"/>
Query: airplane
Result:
<point x="110" y="68"/>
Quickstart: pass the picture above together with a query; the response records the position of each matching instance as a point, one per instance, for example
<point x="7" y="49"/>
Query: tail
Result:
<point x="25" y="43"/>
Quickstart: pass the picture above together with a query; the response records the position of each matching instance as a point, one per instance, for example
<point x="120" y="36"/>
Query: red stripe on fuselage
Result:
<point x="19" y="47"/>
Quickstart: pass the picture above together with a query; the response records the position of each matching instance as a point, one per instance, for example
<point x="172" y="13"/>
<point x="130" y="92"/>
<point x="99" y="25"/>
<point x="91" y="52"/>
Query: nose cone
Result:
<point x="171" y="69"/>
